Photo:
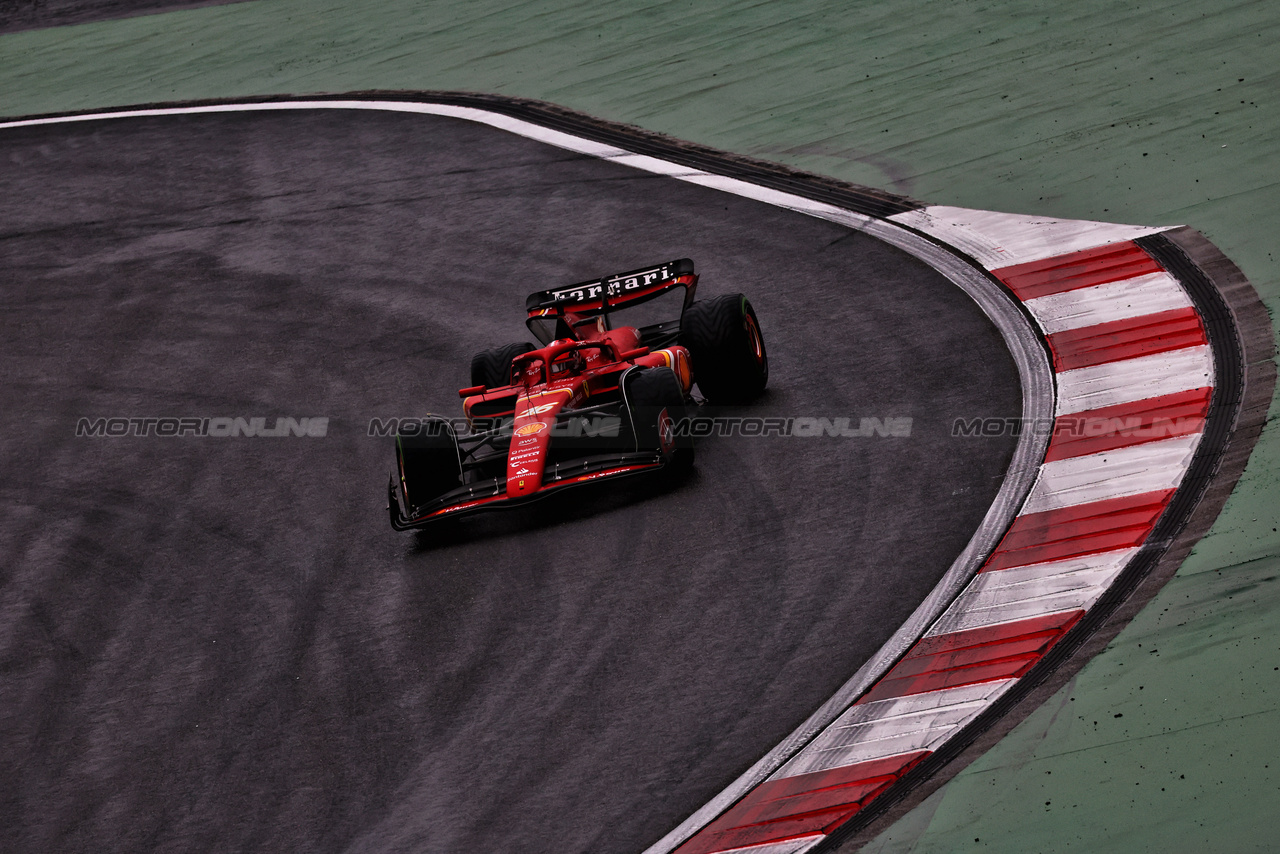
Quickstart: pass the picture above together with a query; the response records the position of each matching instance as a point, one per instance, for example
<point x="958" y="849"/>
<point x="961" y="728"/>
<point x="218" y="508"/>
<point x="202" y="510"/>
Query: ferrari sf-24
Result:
<point x="597" y="400"/>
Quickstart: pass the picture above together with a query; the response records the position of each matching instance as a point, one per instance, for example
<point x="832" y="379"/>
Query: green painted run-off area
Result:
<point x="1158" y="113"/>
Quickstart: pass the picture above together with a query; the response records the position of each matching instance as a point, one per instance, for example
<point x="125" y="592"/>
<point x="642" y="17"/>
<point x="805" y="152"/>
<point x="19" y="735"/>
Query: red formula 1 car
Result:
<point x="597" y="400"/>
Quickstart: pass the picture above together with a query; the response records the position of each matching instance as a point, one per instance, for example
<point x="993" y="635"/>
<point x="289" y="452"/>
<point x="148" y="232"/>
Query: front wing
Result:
<point x="491" y="494"/>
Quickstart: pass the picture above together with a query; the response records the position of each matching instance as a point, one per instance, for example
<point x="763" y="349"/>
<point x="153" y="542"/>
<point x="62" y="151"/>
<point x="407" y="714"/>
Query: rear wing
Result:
<point x="598" y="297"/>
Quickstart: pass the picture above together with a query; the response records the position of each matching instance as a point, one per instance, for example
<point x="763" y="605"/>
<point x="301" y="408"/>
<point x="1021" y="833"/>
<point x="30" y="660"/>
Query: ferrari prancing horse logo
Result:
<point x="666" y="432"/>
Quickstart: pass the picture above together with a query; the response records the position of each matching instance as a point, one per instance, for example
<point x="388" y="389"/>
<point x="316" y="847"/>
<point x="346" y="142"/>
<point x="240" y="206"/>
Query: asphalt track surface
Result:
<point x="18" y="15"/>
<point x="219" y="644"/>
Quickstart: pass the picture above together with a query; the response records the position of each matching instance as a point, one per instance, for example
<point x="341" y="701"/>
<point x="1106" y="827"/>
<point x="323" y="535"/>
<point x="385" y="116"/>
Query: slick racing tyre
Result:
<point x="723" y="337"/>
<point x="492" y="368"/>
<point x="653" y="412"/>
<point x="427" y="463"/>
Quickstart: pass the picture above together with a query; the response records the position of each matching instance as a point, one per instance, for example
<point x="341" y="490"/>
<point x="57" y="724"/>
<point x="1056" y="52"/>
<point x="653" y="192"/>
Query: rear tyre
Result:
<point x="723" y="337"/>
<point x="654" y="413"/>
<point x="492" y="368"/>
<point x="427" y="463"/>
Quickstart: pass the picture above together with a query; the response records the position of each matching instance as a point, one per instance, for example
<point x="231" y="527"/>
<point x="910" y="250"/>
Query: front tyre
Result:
<point x="427" y="463"/>
<point x="723" y="338"/>
<point x="492" y="368"/>
<point x="654" y="415"/>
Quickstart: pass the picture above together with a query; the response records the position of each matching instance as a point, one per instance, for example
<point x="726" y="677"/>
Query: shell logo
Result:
<point x="531" y="429"/>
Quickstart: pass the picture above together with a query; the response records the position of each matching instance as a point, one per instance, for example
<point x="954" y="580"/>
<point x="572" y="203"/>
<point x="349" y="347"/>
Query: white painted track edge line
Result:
<point x="499" y="121"/>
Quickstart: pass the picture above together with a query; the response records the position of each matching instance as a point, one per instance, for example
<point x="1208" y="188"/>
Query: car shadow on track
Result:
<point x="584" y="502"/>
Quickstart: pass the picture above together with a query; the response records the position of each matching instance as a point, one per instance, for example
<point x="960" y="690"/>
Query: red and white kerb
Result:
<point x="1133" y="377"/>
